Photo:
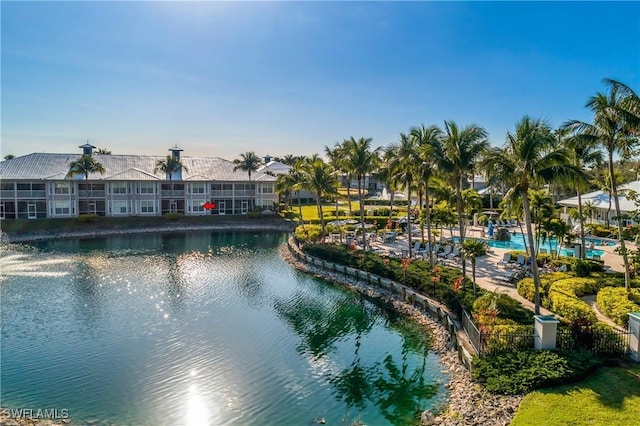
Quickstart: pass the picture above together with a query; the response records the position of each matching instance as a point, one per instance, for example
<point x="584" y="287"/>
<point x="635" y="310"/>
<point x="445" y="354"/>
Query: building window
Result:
<point x="61" y="188"/>
<point x="147" y="206"/>
<point x="62" y="207"/>
<point x="196" y="205"/>
<point x="119" y="207"/>
<point x="197" y="188"/>
<point x="118" y="187"/>
<point x="147" y="188"/>
<point x="267" y="189"/>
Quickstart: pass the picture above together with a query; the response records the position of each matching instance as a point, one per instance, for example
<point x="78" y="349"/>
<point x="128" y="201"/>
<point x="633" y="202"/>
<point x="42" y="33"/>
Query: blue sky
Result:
<point x="222" y="78"/>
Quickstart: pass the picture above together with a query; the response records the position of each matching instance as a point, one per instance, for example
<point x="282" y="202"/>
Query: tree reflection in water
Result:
<point x="397" y="389"/>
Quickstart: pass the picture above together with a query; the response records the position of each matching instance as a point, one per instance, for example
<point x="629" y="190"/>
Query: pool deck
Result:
<point x="486" y="269"/>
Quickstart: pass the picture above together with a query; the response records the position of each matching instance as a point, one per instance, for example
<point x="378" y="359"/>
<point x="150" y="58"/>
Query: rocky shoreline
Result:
<point x="469" y="403"/>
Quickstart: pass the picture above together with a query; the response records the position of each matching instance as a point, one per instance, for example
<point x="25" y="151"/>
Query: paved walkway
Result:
<point x="486" y="269"/>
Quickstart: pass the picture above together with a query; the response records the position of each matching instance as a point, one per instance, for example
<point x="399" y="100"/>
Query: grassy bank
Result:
<point x="610" y="396"/>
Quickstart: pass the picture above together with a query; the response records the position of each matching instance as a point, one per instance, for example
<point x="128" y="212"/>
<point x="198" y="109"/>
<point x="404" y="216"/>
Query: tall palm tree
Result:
<point x="84" y="166"/>
<point x="527" y="160"/>
<point x="248" y="162"/>
<point x="336" y="158"/>
<point x="584" y="154"/>
<point x="362" y="161"/>
<point x="406" y="157"/>
<point x="429" y="148"/>
<point x="317" y="178"/>
<point x="387" y="175"/>
<point x="616" y="126"/>
<point x="460" y="150"/>
<point x="169" y="166"/>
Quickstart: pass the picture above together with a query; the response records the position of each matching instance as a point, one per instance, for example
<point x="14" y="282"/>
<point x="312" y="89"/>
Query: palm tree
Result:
<point x="406" y="158"/>
<point x="616" y="123"/>
<point x="460" y="150"/>
<point x="528" y="159"/>
<point x="248" y="162"/>
<point x="584" y="153"/>
<point x="388" y="176"/>
<point x="541" y="205"/>
<point x="317" y="178"/>
<point x="83" y="166"/>
<point x="428" y="140"/>
<point x="103" y="151"/>
<point x="9" y="157"/>
<point x="471" y="249"/>
<point x="169" y="166"/>
<point x="362" y="161"/>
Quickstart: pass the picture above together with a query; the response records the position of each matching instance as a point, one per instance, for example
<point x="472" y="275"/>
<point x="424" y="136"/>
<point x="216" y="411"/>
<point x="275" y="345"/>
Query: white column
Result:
<point x="545" y="331"/>
<point x="634" y="338"/>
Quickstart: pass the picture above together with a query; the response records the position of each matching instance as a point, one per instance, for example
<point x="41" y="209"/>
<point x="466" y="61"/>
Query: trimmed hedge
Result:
<point x="517" y="373"/>
<point x="613" y="302"/>
<point x="87" y="218"/>
<point x="564" y="295"/>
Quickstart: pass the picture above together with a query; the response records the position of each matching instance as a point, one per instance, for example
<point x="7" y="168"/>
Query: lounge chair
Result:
<point x="455" y="253"/>
<point x="506" y="259"/>
<point x="511" y="278"/>
<point x="521" y="262"/>
<point x="446" y="252"/>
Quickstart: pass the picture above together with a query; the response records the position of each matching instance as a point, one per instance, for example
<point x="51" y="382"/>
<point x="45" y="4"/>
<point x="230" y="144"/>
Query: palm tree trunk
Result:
<point x="428" y="218"/>
<point x="300" y="209"/>
<point x="623" y="249"/>
<point x="473" y="272"/>
<point x="460" y="220"/>
<point x="364" y="239"/>
<point x="319" y="204"/>
<point x="584" y="251"/>
<point x="534" y="263"/>
<point x="409" y="216"/>
<point x="349" y="195"/>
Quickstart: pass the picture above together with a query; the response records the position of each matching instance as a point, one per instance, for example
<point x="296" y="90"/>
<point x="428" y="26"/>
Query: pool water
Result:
<point x="517" y="243"/>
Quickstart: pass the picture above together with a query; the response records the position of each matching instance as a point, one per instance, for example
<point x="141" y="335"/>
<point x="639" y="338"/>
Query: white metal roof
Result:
<point x="48" y="166"/>
<point x="600" y="199"/>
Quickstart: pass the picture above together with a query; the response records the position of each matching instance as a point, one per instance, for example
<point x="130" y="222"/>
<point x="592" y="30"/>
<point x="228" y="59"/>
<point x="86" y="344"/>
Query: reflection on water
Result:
<point x="202" y="328"/>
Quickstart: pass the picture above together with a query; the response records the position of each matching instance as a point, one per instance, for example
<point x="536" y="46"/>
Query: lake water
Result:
<point x="202" y="328"/>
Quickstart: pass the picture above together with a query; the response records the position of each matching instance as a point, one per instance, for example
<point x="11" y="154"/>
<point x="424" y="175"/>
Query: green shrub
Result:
<point x="173" y="216"/>
<point x="307" y="233"/>
<point x="87" y="218"/>
<point x="507" y="307"/>
<point x="581" y="268"/>
<point x="516" y="373"/>
<point x="564" y="298"/>
<point x="613" y="302"/>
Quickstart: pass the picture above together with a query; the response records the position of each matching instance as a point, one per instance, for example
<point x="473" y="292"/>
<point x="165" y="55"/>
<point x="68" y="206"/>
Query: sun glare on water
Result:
<point x="21" y="265"/>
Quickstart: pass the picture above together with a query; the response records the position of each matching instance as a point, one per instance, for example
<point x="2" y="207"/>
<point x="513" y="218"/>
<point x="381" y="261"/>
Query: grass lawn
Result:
<point x="310" y="211"/>
<point x="609" y="397"/>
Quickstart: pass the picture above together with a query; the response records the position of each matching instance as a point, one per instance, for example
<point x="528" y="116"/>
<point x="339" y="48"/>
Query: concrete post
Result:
<point x="545" y="331"/>
<point x="634" y="338"/>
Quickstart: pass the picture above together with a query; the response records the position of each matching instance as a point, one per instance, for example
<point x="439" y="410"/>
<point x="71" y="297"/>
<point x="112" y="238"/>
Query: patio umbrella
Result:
<point x="337" y="222"/>
<point x="351" y="221"/>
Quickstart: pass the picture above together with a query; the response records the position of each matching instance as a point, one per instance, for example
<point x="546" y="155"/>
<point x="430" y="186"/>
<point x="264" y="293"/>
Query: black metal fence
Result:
<point x="600" y="342"/>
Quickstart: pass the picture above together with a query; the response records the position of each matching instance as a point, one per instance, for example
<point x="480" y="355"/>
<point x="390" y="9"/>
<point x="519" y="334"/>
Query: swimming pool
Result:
<point x="600" y="242"/>
<point x="517" y="243"/>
